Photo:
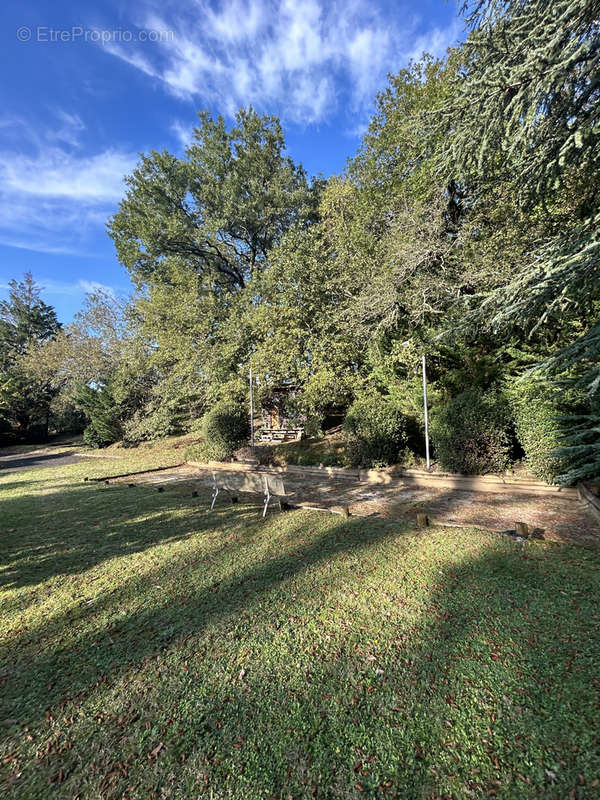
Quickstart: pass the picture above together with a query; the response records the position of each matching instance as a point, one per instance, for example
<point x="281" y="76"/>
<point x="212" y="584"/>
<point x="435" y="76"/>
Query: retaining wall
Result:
<point x="401" y="477"/>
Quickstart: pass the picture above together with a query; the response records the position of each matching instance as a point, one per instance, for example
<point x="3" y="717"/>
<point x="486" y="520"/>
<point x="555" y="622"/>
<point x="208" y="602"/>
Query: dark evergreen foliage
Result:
<point x="25" y="322"/>
<point x="375" y="431"/>
<point x="104" y="415"/>
<point x="471" y="433"/>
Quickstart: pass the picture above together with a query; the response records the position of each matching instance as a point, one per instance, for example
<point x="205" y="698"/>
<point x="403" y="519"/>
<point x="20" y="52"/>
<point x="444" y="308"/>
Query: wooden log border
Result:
<point x="590" y="499"/>
<point x="131" y="474"/>
<point x="399" y="477"/>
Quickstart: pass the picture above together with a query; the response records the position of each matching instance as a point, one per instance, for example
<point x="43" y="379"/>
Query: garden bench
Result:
<point x="270" y="486"/>
<point x="281" y="434"/>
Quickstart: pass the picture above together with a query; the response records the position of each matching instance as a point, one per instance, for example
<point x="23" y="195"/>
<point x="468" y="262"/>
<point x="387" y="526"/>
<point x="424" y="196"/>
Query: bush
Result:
<point x="375" y="431"/>
<point x="224" y="429"/>
<point x="471" y="433"/>
<point x="535" y="414"/>
<point x="103" y="413"/>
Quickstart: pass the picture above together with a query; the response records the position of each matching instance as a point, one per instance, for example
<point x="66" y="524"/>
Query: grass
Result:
<point x="153" y="649"/>
<point x="328" y="450"/>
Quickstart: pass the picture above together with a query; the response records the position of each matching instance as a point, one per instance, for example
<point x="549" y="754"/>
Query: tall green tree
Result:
<point x="525" y="115"/>
<point x="220" y="209"/>
<point x="25" y="322"/>
<point x="196" y="234"/>
<point x="95" y="349"/>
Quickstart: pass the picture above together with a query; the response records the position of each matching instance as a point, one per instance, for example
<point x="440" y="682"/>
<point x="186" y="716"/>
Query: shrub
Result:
<point x="375" y="431"/>
<point x="535" y="412"/>
<point x="471" y="433"/>
<point x="224" y="429"/>
<point x="104" y="415"/>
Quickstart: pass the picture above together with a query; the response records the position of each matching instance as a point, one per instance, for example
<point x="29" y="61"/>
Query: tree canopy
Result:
<point x="466" y="226"/>
<point x="25" y="322"/>
<point x="219" y="210"/>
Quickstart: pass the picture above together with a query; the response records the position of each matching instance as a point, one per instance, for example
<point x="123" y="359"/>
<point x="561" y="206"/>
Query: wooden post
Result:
<point x="343" y="510"/>
<point x="422" y="520"/>
<point x="522" y="529"/>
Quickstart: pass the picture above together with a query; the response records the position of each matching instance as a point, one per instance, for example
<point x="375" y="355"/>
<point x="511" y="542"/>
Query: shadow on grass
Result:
<point x="485" y="690"/>
<point x="148" y="631"/>
<point x="34" y="461"/>
<point x="79" y="527"/>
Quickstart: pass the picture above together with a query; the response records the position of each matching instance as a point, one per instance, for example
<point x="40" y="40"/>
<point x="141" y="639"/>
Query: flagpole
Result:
<point x="426" y="411"/>
<point x="251" y="413"/>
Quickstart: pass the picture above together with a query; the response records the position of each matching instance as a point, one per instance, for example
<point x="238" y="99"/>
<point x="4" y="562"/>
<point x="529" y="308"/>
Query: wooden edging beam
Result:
<point x="139" y="472"/>
<point x="590" y="499"/>
<point x="400" y="478"/>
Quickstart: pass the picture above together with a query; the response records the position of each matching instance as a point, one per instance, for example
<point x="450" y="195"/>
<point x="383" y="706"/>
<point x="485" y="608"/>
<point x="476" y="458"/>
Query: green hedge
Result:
<point x="225" y="428"/>
<point x="471" y="433"/>
<point x="535" y="412"/>
<point x="375" y="431"/>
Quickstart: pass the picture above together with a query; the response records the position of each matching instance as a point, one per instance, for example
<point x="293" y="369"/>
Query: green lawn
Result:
<point x="153" y="649"/>
<point x="328" y="450"/>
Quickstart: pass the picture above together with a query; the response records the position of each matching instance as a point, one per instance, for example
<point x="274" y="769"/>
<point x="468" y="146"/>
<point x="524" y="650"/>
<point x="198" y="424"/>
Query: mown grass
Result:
<point x="153" y="649"/>
<point x="328" y="450"/>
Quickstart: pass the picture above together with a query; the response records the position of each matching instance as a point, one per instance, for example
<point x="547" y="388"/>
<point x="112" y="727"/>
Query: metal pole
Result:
<point x="426" y="412"/>
<point x="251" y="413"/>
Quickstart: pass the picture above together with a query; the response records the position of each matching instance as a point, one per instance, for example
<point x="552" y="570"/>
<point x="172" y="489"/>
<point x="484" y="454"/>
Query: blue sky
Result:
<point x="87" y="87"/>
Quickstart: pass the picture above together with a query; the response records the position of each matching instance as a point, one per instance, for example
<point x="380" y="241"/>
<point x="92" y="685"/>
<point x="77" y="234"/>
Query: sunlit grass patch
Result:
<point x="151" y="648"/>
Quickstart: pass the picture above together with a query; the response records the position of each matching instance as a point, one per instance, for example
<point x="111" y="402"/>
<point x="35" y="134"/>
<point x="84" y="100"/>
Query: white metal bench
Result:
<point x="267" y="434"/>
<point x="270" y="486"/>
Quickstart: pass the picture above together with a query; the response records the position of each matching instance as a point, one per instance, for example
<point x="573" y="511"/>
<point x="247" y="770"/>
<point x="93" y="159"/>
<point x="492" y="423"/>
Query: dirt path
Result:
<point x="562" y="518"/>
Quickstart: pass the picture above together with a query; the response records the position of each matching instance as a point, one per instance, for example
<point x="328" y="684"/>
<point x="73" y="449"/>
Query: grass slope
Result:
<point x="151" y="649"/>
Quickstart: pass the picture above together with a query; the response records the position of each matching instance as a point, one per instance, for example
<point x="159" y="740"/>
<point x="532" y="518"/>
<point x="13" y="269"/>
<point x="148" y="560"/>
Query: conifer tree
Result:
<point x="526" y="113"/>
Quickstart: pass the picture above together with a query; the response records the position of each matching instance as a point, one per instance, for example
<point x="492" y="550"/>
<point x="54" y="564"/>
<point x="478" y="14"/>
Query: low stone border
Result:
<point x="397" y="476"/>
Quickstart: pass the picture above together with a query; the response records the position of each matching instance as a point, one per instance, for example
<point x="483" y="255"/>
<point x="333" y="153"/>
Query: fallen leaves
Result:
<point x="312" y="655"/>
<point x="58" y="777"/>
<point x="152" y="755"/>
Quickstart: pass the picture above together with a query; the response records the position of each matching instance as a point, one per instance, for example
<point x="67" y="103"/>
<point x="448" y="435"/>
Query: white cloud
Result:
<point x="72" y="288"/>
<point x="300" y="58"/>
<point x="68" y="288"/>
<point x="53" y="172"/>
<point x="436" y="41"/>
<point x="135" y="59"/>
<point x="183" y="133"/>
<point x="95" y="286"/>
<point x="51" y="195"/>
<point x="69" y="128"/>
